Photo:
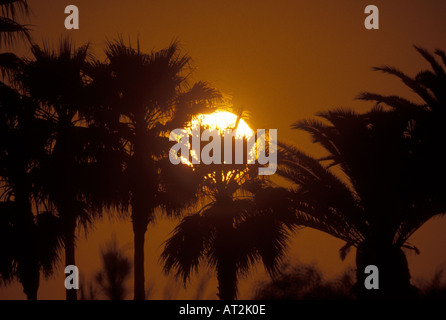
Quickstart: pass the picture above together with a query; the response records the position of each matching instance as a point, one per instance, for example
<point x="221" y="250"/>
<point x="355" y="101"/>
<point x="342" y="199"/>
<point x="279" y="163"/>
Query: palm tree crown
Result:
<point x="364" y="193"/>
<point x="424" y="126"/>
<point x="55" y="79"/>
<point x="239" y="224"/>
<point x="10" y="29"/>
<point x="145" y="95"/>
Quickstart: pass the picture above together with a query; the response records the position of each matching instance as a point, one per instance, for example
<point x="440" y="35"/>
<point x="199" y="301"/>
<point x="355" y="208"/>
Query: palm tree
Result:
<point x="364" y="194"/>
<point x="10" y="29"/>
<point x="146" y="97"/>
<point x="55" y="80"/>
<point x="29" y="239"/>
<point x="424" y="126"/>
<point x="306" y="282"/>
<point x="10" y="32"/>
<point x="239" y="225"/>
<point x="116" y="270"/>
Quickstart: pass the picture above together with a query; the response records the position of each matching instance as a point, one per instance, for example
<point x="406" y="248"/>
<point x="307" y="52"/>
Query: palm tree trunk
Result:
<point x="227" y="280"/>
<point x="139" y="231"/>
<point x="393" y="271"/>
<point x="28" y="264"/>
<point x="30" y="279"/>
<point x="71" y="294"/>
<point x="139" y="222"/>
<point x="29" y="268"/>
<point x="226" y="266"/>
<point x="143" y="189"/>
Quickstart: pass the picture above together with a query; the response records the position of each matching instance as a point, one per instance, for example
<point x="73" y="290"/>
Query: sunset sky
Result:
<point x="281" y="61"/>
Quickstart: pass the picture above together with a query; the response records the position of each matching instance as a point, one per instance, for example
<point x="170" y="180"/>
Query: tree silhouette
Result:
<point x="148" y="96"/>
<point x="116" y="270"/>
<point x="424" y="127"/>
<point x="306" y="282"/>
<point x="240" y="224"/>
<point x="10" y="29"/>
<point x="29" y="237"/>
<point x="54" y="78"/>
<point x="364" y="194"/>
<point x="10" y="32"/>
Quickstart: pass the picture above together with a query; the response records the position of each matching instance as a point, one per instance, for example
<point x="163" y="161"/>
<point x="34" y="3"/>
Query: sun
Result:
<point x="221" y="120"/>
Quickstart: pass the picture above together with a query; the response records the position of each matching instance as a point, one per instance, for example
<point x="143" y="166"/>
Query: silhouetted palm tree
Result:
<point x="56" y="81"/>
<point x="10" y="29"/>
<point x="239" y="225"/>
<point x="306" y="282"/>
<point x="425" y="127"/>
<point x="364" y="194"/>
<point x="30" y="241"/>
<point x="10" y="32"/>
<point x="29" y="237"/>
<point x="116" y="270"/>
<point x="148" y="97"/>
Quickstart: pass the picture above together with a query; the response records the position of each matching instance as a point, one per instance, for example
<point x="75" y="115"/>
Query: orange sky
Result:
<point x="280" y="60"/>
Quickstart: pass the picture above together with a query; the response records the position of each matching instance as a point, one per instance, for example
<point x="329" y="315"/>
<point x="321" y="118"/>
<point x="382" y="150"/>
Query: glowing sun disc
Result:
<point x="222" y="120"/>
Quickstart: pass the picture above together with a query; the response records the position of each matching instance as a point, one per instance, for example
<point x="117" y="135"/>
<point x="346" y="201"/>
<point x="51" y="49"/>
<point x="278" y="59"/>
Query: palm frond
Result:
<point x="395" y="102"/>
<point x="411" y="83"/>
<point x="50" y="241"/>
<point x="11" y="31"/>
<point x="190" y="241"/>
<point x="320" y="132"/>
<point x="10" y="65"/>
<point x="319" y="193"/>
<point x="438" y="69"/>
<point x="13" y="8"/>
<point x="441" y="54"/>
<point x="200" y="98"/>
<point x="261" y="236"/>
<point x="343" y="252"/>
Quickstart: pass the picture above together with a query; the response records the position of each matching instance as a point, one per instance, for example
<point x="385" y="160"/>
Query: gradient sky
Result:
<point x="280" y="60"/>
